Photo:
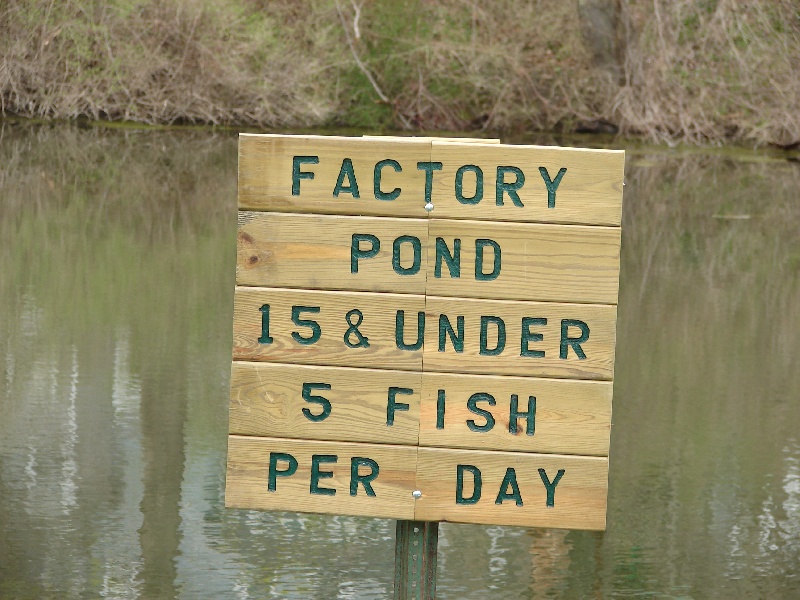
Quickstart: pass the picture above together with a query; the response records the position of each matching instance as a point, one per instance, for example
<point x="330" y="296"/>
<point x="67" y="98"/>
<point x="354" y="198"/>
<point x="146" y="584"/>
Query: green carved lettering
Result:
<point x="351" y="188"/>
<point x="476" y="484"/>
<point x="478" y="195"/>
<point x="529" y="415"/>
<point x="416" y="246"/>
<point x="480" y="244"/>
<point x="297" y="174"/>
<point x="446" y="329"/>
<point x="501" y="336"/>
<point x="552" y="186"/>
<point x="316" y="474"/>
<point x="511" y="188"/>
<point x="392" y="405"/>
<point x="453" y="261"/>
<point x="472" y="406"/>
<point x="551" y="486"/>
<point x="529" y="336"/>
<point x="323" y="402"/>
<point x="440" y="408"/>
<point x="429" y="167"/>
<point x="509" y="489"/>
<point x="575" y="343"/>
<point x="379" y="193"/>
<point x="399" y="329"/>
<point x="265" y="337"/>
<point x="356" y="253"/>
<point x="316" y="330"/>
<point x="274" y="472"/>
<point x="367" y="478"/>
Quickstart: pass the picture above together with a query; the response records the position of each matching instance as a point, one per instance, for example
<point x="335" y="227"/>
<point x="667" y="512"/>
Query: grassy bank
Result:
<point x="693" y="70"/>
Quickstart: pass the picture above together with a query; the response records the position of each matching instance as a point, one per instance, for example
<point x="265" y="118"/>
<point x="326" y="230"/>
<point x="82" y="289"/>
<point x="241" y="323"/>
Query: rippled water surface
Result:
<point x="116" y="277"/>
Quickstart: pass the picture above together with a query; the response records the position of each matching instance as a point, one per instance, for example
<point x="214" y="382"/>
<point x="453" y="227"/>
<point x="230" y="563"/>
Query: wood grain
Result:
<point x="570" y="417"/>
<point x="267" y="400"/>
<point x="378" y="326"/>
<point x="314" y="252"/>
<point x="422" y="138"/>
<point x="579" y="499"/>
<point x="590" y="192"/>
<point x="265" y="174"/>
<point x="561" y="263"/>
<point x="538" y="262"/>
<point x="248" y="472"/>
<point x="598" y="349"/>
<point x="559" y="275"/>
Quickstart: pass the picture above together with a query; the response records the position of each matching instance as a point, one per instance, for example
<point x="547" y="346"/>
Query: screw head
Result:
<point x="417" y="494"/>
<point x="429" y="206"/>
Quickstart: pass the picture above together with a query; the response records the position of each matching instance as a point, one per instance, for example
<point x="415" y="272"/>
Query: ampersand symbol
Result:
<point x="361" y="340"/>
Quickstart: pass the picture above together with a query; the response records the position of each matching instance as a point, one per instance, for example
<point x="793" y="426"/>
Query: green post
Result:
<point x="415" y="560"/>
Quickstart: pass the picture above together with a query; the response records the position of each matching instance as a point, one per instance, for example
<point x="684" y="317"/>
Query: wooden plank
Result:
<point x="352" y="176"/>
<point x="589" y="193"/>
<point x="422" y="138"/>
<point x="524" y="261"/>
<point x="330" y="488"/>
<point x="266" y="164"/>
<point x="318" y="252"/>
<point x="545" y="319"/>
<point x="290" y="342"/>
<point x="578" y="497"/>
<point x="289" y="401"/>
<point x="564" y="417"/>
<point x="537" y="262"/>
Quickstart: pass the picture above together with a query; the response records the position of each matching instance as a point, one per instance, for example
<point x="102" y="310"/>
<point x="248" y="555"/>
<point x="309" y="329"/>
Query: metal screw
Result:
<point x="417" y="494"/>
<point x="429" y="206"/>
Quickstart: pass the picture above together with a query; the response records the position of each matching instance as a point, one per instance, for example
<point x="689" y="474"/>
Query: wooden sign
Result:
<point x="424" y="330"/>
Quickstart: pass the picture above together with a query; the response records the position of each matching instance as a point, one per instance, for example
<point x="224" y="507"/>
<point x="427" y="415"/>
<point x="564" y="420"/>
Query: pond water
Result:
<point x="116" y="275"/>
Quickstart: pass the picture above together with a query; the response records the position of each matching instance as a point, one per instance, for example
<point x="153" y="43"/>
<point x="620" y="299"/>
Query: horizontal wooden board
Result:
<point x="268" y="400"/>
<point x="598" y="349"/>
<point x="377" y="328"/>
<point x="249" y="466"/>
<point x="590" y="191"/>
<point x="317" y="252"/>
<point x="458" y="140"/>
<point x="561" y="263"/>
<point x="537" y="262"/>
<point x="266" y="164"/>
<point x="578" y="498"/>
<point x="564" y="417"/>
<point x="388" y="177"/>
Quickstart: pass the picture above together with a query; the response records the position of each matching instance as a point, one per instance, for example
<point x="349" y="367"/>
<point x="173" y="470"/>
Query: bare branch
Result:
<point x="356" y="17"/>
<point x="363" y="67"/>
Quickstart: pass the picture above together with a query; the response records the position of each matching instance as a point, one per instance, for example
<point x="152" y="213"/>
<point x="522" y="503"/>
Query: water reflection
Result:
<point x="115" y="280"/>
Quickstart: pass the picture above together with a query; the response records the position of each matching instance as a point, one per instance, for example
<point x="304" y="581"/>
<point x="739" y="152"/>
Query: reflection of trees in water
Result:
<point x="115" y="283"/>
<point x="60" y="462"/>
<point x="163" y="413"/>
<point x="706" y="372"/>
<point x="550" y="561"/>
<point x="99" y="228"/>
<point x="712" y="219"/>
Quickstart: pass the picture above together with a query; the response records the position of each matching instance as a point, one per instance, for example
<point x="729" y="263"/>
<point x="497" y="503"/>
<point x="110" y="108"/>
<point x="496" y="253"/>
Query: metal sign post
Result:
<point x="415" y="560"/>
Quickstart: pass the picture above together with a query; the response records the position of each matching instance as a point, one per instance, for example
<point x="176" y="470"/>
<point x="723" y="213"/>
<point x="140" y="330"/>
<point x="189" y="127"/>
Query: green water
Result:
<point x="116" y="277"/>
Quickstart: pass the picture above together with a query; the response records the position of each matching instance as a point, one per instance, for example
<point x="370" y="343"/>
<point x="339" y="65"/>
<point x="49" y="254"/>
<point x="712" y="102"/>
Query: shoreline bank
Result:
<point x="634" y="145"/>
<point x="701" y="72"/>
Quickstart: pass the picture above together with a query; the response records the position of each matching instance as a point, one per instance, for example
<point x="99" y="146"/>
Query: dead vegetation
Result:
<point x="694" y="70"/>
<point x="160" y="62"/>
<point x="709" y="70"/>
